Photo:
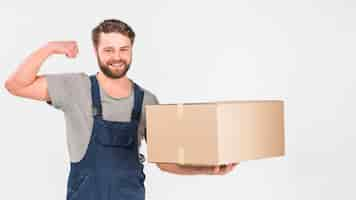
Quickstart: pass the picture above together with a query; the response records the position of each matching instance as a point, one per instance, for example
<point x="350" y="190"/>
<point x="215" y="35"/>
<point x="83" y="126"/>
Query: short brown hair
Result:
<point x="112" y="26"/>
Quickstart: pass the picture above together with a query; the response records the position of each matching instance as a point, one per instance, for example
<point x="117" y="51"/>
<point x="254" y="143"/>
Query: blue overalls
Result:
<point x="112" y="168"/>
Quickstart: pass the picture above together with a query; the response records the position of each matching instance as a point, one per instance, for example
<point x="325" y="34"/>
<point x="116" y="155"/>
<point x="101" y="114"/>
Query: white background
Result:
<point x="302" y="52"/>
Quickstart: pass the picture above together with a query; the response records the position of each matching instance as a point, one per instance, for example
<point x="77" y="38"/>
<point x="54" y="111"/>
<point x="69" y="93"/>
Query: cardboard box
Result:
<point x="214" y="133"/>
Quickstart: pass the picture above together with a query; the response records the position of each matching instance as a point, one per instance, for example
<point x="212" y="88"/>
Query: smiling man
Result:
<point x="104" y="115"/>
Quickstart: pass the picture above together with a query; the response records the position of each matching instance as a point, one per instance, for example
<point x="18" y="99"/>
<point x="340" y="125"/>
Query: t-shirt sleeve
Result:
<point x="62" y="89"/>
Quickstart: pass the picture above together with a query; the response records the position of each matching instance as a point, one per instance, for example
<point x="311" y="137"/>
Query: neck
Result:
<point x="115" y="87"/>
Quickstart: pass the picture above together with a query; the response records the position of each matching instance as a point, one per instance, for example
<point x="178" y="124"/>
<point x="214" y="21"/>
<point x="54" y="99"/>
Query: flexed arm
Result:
<point x="25" y="82"/>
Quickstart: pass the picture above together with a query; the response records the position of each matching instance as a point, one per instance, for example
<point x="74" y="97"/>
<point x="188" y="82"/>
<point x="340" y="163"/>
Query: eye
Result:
<point x="108" y="50"/>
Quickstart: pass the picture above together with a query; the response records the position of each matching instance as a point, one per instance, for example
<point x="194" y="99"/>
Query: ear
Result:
<point x="95" y="51"/>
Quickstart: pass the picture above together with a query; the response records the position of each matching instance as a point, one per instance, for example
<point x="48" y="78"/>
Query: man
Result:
<point x="104" y="114"/>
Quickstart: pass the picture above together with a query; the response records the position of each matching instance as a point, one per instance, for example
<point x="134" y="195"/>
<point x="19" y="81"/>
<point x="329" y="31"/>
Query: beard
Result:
<point x="114" y="72"/>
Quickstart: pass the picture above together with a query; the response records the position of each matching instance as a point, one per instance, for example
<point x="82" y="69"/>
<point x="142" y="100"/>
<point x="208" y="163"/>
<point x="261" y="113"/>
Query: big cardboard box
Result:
<point x="214" y="133"/>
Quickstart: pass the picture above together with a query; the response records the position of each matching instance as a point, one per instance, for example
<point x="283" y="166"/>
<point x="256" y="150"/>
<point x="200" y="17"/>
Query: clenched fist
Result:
<point x="68" y="48"/>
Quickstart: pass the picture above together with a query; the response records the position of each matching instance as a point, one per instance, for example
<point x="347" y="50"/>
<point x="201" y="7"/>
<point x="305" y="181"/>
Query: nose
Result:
<point x="117" y="55"/>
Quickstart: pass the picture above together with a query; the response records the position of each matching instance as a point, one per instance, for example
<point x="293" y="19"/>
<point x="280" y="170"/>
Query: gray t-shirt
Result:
<point x="71" y="93"/>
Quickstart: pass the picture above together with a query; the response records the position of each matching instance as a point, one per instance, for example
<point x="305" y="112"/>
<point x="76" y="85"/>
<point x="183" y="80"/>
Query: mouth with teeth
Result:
<point x="117" y="65"/>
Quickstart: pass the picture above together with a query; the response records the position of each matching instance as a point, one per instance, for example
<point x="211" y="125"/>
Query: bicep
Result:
<point x="38" y="90"/>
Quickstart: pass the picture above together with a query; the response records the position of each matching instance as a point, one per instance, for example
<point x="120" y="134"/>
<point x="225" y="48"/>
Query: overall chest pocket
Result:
<point x="117" y="135"/>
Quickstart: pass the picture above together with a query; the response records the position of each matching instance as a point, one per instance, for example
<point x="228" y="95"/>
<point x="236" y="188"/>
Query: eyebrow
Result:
<point x="111" y="47"/>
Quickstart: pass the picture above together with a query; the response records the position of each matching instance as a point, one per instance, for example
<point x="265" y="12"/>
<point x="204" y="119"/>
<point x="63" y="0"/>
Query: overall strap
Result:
<point x="95" y="95"/>
<point x="138" y="101"/>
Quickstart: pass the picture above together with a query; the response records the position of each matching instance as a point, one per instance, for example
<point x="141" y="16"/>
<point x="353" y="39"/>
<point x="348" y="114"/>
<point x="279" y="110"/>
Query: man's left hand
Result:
<point x="221" y="169"/>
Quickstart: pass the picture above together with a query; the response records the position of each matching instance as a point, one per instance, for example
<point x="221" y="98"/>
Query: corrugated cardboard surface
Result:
<point x="214" y="133"/>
